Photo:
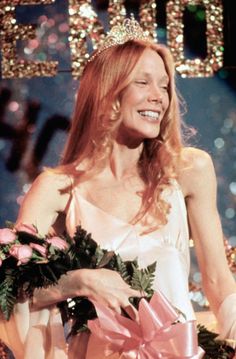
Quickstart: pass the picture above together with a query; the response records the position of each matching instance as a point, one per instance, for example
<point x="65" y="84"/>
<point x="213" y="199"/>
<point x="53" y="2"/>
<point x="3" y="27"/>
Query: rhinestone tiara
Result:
<point x="119" y="34"/>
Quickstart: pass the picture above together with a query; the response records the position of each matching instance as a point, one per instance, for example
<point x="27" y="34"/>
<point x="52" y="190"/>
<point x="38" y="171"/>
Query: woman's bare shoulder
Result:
<point x="195" y="167"/>
<point x="45" y="199"/>
<point x="53" y="186"/>
<point x="195" y="158"/>
<point x="50" y="179"/>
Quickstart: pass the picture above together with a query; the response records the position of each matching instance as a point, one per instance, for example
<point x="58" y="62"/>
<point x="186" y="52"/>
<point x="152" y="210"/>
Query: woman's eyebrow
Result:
<point x="149" y="75"/>
<point x="165" y="78"/>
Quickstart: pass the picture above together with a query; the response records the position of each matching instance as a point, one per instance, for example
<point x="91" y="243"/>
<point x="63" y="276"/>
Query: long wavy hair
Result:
<point x="96" y="118"/>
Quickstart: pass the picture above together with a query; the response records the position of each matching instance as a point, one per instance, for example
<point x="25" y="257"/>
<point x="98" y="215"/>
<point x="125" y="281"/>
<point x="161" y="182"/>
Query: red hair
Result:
<point x="95" y="120"/>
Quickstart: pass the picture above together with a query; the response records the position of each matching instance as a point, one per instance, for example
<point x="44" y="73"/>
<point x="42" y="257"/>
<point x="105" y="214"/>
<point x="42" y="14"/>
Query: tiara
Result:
<point x="119" y="34"/>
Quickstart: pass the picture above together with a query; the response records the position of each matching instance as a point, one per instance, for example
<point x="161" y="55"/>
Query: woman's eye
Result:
<point x="165" y="87"/>
<point x="141" y="82"/>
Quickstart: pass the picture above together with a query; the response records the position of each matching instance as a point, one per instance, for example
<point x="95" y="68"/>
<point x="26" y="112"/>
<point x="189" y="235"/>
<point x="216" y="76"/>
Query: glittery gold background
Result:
<point x="44" y="46"/>
<point x="84" y="22"/>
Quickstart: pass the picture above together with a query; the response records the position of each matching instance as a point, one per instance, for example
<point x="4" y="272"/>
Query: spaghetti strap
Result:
<point x="70" y="191"/>
<point x="168" y="246"/>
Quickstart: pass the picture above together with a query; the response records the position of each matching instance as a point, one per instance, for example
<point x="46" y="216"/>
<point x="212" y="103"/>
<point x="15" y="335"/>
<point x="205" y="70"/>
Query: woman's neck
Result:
<point x="123" y="160"/>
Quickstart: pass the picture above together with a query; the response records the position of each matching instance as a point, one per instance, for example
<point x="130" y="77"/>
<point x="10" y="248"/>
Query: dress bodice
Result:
<point x="168" y="246"/>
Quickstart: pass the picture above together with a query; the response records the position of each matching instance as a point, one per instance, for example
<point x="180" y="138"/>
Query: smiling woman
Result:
<point x="127" y="178"/>
<point x="145" y="100"/>
<point x="137" y="77"/>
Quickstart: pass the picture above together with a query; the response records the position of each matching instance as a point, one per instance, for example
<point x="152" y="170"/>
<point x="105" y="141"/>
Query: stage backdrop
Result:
<point x="40" y="68"/>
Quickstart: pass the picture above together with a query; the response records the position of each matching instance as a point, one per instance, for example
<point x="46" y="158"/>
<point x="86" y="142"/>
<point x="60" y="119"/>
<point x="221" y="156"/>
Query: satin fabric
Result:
<point x="41" y="331"/>
<point x="168" y="246"/>
<point x="154" y="336"/>
<point x="34" y="332"/>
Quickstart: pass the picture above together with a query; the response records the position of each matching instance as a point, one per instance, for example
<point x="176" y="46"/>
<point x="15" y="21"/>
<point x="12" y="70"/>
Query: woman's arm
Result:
<point x="41" y="207"/>
<point x="44" y="201"/>
<point x="198" y="181"/>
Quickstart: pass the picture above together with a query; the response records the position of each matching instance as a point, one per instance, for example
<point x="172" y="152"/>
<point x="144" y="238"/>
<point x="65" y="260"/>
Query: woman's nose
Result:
<point x="155" y="95"/>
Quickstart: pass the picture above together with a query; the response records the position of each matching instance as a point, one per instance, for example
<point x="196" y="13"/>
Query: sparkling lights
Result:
<point x="214" y="35"/>
<point x="86" y="31"/>
<point x="87" y="25"/>
<point x="147" y="13"/>
<point x="83" y="22"/>
<point x="231" y="256"/>
<point x="10" y="32"/>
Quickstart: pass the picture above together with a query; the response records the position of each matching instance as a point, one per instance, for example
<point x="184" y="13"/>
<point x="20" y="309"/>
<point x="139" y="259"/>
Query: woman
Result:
<point x="127" y="178"/>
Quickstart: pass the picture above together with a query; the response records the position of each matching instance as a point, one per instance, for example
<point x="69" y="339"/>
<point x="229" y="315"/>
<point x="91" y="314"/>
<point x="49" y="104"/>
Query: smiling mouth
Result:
<point x="150" y="114"/>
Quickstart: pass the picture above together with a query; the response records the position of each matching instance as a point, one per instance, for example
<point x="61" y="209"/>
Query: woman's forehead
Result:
<point x="151" y="63"/>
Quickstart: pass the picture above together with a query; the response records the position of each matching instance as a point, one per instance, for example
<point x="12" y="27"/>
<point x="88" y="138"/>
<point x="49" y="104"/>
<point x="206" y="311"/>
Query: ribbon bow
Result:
<point x="156" y="335"/>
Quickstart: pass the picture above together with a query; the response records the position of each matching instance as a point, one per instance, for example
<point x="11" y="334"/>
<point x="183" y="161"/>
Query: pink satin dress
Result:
<point x="168" y="246"/>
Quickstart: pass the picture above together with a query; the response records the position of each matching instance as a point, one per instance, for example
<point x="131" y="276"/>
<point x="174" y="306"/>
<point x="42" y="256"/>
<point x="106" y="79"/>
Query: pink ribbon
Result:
<point x="156" y="335"/>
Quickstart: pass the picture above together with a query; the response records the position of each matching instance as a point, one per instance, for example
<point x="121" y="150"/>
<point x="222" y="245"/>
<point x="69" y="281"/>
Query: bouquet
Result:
<point x="29" y="261"/>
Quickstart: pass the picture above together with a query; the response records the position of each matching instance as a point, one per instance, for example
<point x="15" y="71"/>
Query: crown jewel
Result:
<point x="119" y="34"/>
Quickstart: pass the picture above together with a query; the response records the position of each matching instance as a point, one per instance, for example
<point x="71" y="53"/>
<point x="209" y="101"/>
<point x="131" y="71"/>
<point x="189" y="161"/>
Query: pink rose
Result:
<point x="7" y="236"/>
<point x="28" y="228"/>
<point x="58" y="243"/>
<point x="21" y="252"/>
<point x="0" y="262"/>
<point x="42" y="250"/>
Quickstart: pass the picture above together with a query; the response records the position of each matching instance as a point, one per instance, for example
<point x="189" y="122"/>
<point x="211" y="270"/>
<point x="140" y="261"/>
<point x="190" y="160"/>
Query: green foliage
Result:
<point x="123" y="269"/>
<point x="86" y="253"/>
<point x="214" y="348"/>
<point x="8" y="295"/>
<point x="19" y="281"/>
<point x="142" y="280"/>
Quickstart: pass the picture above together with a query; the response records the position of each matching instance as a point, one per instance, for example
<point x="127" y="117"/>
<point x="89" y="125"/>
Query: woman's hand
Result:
<point x="106" y="287"/>
<point x="102" y="285"/>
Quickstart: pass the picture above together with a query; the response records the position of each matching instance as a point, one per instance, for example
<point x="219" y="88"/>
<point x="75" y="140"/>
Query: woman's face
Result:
<point x="145" y="100"/>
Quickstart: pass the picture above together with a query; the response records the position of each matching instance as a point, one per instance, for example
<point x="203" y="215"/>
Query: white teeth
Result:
<point x="151" y="114"/>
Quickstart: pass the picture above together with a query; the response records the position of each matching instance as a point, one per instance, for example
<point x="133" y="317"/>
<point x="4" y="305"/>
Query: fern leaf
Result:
<point x="123" y="269"/>
<point x="142" y="279"/>
<point x="103" y="258"/>
<point x="7" y="297"/>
